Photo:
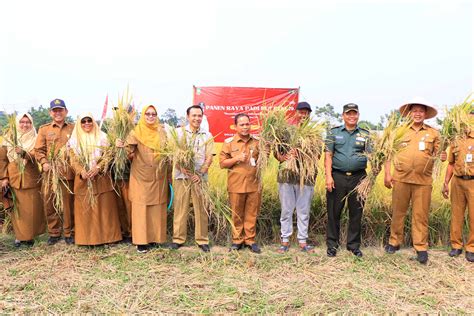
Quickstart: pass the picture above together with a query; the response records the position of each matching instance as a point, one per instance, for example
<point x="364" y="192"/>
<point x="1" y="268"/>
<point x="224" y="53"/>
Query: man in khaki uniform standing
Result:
<point x="185" y="182"/>
<point x="53" y="137"/>
<point x="412" y="179"/>
<point x="239" y="154"/>
<point x="461" y="165"/>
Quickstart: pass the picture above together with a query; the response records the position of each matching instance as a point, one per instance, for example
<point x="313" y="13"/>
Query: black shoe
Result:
<point x="142" y="248"/>
<point x="69" y="240"/>
<point x="455" y="252"/>
<point x="391" y="249"/>
<point x="126" y="240"/>
<point x="470" y="256"/>
<point x="356" y="252"/>
<point x="53" y="240"/>
<point x="235" y="247"/>
<point x="422" y="257"/>
<point x="175" y="246"/>
<point x="254" y="248"/>
<point x="17" y="243"/>
<point x="331" y="252"/>
<point x="205" y="248"/>
<point x="29" y="243"/>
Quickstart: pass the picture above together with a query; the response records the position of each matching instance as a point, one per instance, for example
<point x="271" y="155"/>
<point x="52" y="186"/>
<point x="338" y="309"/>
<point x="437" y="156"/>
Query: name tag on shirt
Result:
<point x="360" y="139"/>
<point x="421" y="146"/>
<point x="469" y="158"/>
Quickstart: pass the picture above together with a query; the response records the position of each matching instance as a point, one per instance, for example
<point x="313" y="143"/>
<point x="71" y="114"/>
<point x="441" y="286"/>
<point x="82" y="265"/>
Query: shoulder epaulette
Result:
<point x="339" y="126"/>
<point x="364" y="129"/>
<point x="229" y="140"/>
<point x="45" y="124"/>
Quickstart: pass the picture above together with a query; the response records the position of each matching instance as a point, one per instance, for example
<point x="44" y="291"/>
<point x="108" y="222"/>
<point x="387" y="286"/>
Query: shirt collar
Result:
<point x="238" y="138"/>
<point x="199" y="131"/>
<point x="64" y="124"/>
<point x="350" y="132"/>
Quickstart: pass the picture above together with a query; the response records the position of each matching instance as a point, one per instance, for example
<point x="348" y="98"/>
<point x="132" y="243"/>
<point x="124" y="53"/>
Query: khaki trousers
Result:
<point x="124" y="208"/>
<point x="183" y="191"/>
<point x="462" y="195"/>
<point x="420" y="196"/>
<point x="245" y="208"/>
<point x="53" y="217"/>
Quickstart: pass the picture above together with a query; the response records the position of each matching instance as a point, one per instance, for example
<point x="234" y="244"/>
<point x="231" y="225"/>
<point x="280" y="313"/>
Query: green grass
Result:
<point x="71" y="279"/>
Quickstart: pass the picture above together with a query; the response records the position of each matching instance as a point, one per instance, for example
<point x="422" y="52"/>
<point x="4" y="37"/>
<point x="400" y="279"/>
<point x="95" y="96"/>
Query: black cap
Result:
<point x="350" y="107"/>
<point x="304" y="106"/>
<point x="57" y="103"/>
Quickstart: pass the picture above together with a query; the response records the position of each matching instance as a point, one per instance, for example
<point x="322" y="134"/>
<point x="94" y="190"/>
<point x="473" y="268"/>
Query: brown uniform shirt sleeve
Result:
<point x="224" y="154"/>
<point x="41" y="147"/>
<point x="3" y="162"/>
<point x="451" y="157"/>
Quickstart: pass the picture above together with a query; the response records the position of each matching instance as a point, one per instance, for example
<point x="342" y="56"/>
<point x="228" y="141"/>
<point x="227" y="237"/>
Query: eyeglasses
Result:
<point x="87" y="120"/>
<point x="150" y="114"/>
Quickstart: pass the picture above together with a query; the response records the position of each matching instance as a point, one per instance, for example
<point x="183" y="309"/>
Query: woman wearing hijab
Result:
<point x="95" y="205"/>
<point x="148" y="181"/>
<point x="28" y="219"/>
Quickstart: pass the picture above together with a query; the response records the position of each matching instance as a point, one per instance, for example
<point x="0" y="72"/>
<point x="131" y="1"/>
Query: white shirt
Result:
<point x="203" y="146"/>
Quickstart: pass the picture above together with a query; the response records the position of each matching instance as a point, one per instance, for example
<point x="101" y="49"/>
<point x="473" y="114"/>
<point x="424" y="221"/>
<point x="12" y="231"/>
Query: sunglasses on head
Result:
<point x="86" y="120"/>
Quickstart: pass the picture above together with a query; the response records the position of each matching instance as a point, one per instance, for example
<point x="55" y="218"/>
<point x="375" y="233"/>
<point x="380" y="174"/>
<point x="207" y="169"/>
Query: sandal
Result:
<point x="283" y="248"/>
<point x="306" y="248"/>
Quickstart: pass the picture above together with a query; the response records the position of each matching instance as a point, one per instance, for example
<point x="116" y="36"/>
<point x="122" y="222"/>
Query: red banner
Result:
<point x="222" y="104"/>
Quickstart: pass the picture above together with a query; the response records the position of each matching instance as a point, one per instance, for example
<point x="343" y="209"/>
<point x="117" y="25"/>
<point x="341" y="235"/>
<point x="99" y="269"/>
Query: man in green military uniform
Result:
<point x="345" y="165"/>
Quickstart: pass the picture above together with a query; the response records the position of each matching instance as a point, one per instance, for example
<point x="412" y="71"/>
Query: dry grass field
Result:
<point x="116" y="279"/>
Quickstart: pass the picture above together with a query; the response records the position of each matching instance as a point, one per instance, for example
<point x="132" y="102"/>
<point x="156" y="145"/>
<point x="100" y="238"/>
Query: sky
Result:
<point x="378" y="54"/>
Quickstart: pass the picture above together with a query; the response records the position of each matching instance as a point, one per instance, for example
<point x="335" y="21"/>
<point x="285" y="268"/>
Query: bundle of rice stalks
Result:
<point x="180" y="151"/>
<point x="119" y="127"/>
<point x="383" y="147"/>
<point x="11" y="137"/>
<point x="52" y="180"/>
<point x="304" y="140"/>
<point x="456" y="124"/>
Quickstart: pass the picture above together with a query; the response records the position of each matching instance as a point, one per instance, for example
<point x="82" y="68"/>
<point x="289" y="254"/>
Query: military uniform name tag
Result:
<point x="421" y="145"/>
<point x="468" y="157"/>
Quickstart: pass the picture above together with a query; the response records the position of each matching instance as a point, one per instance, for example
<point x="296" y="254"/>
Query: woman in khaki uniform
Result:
<point x="148" y="190"/>
<point x="461" y="165"/>
<point x="96" y="214"/>
<point x="28" y="220"/>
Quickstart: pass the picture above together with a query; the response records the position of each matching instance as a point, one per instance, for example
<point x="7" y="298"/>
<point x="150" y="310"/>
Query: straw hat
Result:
<point x="430" y="109"/>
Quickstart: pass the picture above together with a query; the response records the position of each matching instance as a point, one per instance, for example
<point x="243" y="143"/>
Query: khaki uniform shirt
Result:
<point x="414" y="163"/>
<point x="241" y="177"/>
<point x="459" y="152"/>
<point x="50" y="135"/>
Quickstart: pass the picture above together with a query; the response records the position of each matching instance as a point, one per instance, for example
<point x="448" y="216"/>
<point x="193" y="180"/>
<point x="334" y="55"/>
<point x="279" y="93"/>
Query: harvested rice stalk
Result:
<point x="383" y="147"/>
<point x="280" y="136"/>
<point x="180" y="151"/>
<point x="53" y="179"/>
<point x="11" y="137"/>
<point x="456" y="124"/>
<point x="119" y="127"/>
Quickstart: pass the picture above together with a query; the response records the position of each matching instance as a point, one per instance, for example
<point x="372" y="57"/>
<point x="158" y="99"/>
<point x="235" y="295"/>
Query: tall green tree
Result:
<point x="328" y="114"/>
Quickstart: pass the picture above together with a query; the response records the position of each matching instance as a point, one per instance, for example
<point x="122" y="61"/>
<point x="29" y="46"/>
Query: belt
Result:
<point x="349" y="173"/>
<point x="466" y="177"/>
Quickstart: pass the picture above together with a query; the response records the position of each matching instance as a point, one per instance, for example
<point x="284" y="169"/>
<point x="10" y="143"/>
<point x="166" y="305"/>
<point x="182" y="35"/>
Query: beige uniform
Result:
<point x="29" y="220"/>
<point x="412" y="182"/>
<point x="243" y="187"/>
<point x="95" y="224"/>
<point x="51" y="136"/>
<point x="148" y="194"/>
<point x="462" y="190"/>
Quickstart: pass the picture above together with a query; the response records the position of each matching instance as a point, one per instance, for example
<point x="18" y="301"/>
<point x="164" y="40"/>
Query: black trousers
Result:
<point x="344" y="186"/>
